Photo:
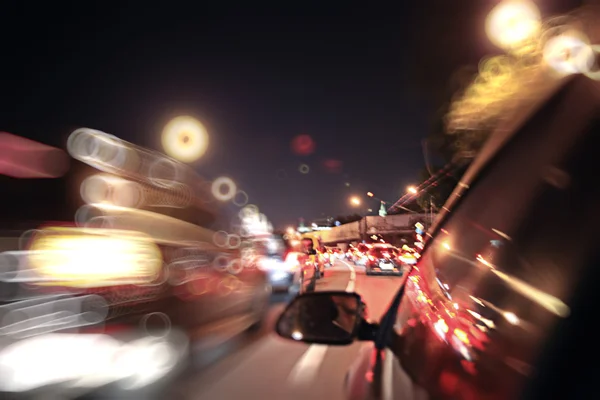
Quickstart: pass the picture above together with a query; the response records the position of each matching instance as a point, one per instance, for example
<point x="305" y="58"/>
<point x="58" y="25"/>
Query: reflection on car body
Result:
<point x="499" y="303"/>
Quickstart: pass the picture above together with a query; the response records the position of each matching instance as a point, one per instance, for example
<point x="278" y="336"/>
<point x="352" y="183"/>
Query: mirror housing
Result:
<point x="334" y="318"/>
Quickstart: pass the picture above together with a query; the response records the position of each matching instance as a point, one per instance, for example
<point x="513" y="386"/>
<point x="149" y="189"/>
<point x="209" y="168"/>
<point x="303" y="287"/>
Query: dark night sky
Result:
<point x="362" y="82"/>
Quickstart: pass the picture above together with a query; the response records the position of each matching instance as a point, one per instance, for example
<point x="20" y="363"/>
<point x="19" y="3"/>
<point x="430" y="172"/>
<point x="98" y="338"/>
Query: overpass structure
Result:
<point x="392" y="228"/>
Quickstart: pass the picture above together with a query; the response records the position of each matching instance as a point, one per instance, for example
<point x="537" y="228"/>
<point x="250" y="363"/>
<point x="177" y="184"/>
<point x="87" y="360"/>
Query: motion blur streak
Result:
<point x="24" y="158"/>
<point x="50" y="313"/>
<point x="94" y="258"/>
<point x="539" y="55"/>
<point x="141" y="253"/>
<point x="161" y="228"/>
<point x="110" y="154"/>
<point x="110" y="189"/>
<point x="88" y="361"/>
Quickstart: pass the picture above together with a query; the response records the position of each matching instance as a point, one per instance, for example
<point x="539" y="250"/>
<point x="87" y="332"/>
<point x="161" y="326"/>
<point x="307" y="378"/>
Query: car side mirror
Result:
<point x="325" y="317"/>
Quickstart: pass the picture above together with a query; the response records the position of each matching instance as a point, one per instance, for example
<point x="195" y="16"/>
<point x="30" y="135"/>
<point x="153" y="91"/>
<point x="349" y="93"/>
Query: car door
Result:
<point x="504" y="263"/>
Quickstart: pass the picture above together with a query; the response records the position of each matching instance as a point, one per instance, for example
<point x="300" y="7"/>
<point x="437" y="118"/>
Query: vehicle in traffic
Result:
<point x="360" y="255"/>
<point x="351" y="254"/>
<point x="338" y="254"/>
<point x="282" y="262"/>
<point x="500" y="299"/>
<point x="96" y="262"/>
<point x="326" y="257"/>
<point x="312" y="260"/>
<point x="383" y="260"/>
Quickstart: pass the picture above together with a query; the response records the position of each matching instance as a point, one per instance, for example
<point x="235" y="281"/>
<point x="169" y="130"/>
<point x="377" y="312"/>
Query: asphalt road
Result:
<point x="264" y="365"/>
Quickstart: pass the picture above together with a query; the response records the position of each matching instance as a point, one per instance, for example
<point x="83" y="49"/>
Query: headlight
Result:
<point x="279" y="275"/>
<point x="94" y="257"/>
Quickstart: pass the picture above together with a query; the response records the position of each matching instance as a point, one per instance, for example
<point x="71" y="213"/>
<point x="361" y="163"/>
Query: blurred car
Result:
<point x="312" y="258"/>
<point x="360" y="255"/>
<point x="352" y="254"/>
<point x="326" y="257"/>
<point x="383" y="260"/>
<point x="409" y="258"/>
<point x="505" y="288"/>
<point x="282" y="263"/>
<point x="89" y="256"/>
<point x="338" y="254"/>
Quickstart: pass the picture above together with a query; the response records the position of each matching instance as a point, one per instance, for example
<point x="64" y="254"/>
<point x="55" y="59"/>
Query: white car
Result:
<point x="283" y="271"/>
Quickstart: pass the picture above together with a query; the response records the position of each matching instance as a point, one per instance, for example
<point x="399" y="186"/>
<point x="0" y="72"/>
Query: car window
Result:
<point x="505" y="262"/>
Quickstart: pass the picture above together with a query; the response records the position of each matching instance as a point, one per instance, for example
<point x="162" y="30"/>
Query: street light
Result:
<point x="412" y="190"/>
<point x="512" y="23"/>
<point x="185" y="139"/>
<point x="369" y="194"/>
<point x="355" y="201"/>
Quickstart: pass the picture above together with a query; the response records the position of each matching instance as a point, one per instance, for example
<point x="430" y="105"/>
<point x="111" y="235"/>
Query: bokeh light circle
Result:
<point x="223" y="183"/>
<point x="235" y="266"/>
<point x="333" y="166"/>
<point x="164" y="173"/>
<point x="304" y="169"/>
<point x="233" y="241"/>
<point x="569" y="54"/>
<point x="221" y="263"/>
<point x="149" y="323"/>
<point x="98" y="147"/>
<point x="303" y="145"/>
<point x="281" y="174"/>
<point x="185" y="139"/>
<point x="86" y="213"/>
<point x="221" y="238"/>
<point x="512" y="23"/>
<point x="241" y="198"/>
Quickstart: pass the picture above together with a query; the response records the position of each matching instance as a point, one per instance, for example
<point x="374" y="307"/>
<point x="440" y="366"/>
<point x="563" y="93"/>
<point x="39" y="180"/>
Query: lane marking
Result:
<point x="387" y="376"/>
<point x="307" y="367"/>
<point x="352" y="282"/>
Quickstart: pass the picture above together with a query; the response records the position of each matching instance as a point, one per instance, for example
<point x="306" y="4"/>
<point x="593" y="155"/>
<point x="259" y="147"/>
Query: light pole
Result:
<point x="382" y="208"/>
<point x="356" y="202"/>
<point x="414" y="190"/>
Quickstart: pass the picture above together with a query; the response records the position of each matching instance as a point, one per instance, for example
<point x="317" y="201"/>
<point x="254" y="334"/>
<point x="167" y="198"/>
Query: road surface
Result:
<point x="267" y="366"/>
